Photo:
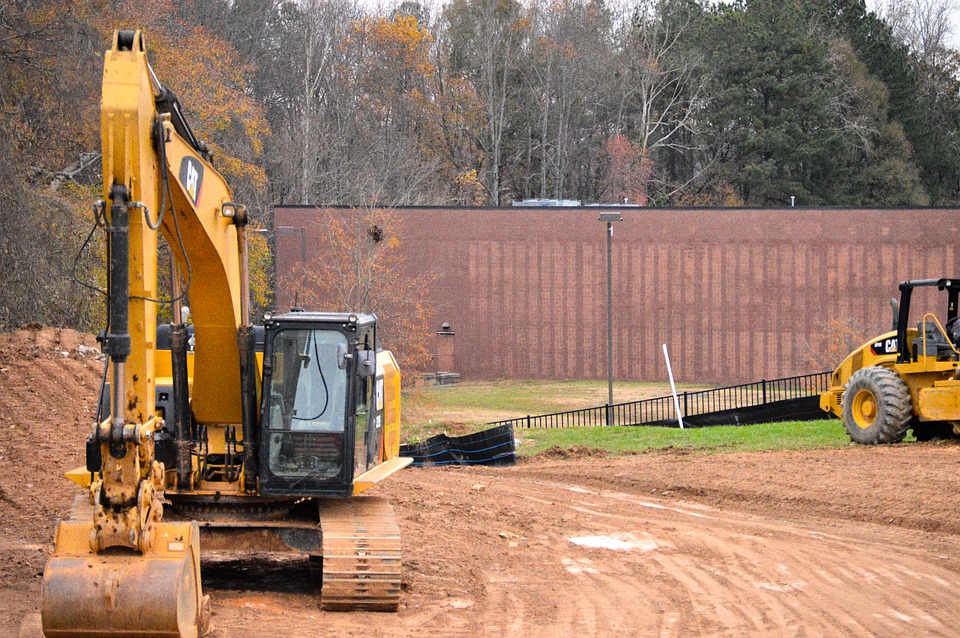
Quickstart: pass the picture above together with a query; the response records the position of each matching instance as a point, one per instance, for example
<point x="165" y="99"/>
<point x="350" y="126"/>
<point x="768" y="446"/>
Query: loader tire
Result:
<point x="877" y="408"/>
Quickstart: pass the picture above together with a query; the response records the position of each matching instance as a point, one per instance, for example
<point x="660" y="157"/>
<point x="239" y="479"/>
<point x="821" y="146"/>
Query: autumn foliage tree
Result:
<point x="448" y="137"/>
<point x="50" y="73"/>
<point x="625" y="173"/>
<point x="837" y="339"/>
<point x="389" y="75"/>
<point x="211" y="84"/>
<point x="47" y="119"/>
<point x="395" y="65"/>
<point x="710" y="194"/>
<point x="358" y="267"/>
<point x="206" y="74"/>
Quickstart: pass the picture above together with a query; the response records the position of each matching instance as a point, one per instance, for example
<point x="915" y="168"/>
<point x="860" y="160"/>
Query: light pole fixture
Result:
<point x="609" y="218"/>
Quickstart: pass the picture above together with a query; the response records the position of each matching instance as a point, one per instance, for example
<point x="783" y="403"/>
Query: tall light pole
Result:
<point x="609" y="218"/>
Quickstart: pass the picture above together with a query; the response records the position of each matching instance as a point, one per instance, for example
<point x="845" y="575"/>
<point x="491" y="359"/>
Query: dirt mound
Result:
<point x="38" y="342"/>
<point x="50" y="379"/>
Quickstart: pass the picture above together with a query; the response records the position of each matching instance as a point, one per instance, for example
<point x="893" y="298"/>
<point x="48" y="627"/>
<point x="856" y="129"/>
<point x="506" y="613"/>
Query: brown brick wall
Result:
<point x="736" y="294"/>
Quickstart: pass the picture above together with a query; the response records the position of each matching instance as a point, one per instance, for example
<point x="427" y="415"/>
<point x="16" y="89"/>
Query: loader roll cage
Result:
<point x="952" y="286"/>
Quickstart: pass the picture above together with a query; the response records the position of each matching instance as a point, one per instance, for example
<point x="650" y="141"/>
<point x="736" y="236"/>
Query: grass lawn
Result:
<point x="791" y="435"/>
<point x="467" y="407"/>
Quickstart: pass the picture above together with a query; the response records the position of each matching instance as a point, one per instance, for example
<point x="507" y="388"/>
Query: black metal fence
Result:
<point x="661" y="409"/>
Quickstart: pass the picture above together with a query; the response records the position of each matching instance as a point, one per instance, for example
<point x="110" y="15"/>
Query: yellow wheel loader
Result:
<point x="908" y="378"/>
<point x="245" y="437"/>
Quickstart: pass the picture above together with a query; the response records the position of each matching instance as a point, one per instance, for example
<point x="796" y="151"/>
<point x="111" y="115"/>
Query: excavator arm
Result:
<point x="117" y="567"/>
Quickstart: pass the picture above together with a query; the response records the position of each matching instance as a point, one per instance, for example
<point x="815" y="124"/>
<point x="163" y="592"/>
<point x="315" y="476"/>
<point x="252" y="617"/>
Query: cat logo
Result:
<point x="191" y="178"/>
<point x="884" y="346"/>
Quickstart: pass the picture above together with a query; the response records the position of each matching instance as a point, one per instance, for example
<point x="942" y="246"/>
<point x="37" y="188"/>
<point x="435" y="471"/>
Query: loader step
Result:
<point x="361" y="555"/>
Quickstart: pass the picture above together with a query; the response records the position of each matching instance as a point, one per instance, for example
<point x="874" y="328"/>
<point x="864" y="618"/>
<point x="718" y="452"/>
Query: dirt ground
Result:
<point x="848" y="542"/>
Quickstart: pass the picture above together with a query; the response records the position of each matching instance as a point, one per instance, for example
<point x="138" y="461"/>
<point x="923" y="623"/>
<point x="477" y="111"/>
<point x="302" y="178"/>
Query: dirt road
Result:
<point x="848" y="542"/>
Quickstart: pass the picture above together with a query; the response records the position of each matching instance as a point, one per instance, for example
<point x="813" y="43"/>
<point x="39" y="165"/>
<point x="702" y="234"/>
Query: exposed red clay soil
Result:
<point x="848" y="542"/>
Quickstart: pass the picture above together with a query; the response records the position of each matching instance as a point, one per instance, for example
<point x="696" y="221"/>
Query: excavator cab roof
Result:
<point x="350" y="320"/>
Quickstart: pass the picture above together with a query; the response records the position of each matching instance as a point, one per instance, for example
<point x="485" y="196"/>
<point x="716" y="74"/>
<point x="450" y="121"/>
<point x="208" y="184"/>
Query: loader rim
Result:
<point x="864" y="409"/>
<point x="879" y="409"/>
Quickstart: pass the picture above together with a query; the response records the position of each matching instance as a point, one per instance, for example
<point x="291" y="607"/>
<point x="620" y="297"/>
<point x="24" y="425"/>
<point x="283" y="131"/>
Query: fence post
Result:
<point x="686" y="407"/>
<point x="764" y="381"/>
<point x="528" y="421"/>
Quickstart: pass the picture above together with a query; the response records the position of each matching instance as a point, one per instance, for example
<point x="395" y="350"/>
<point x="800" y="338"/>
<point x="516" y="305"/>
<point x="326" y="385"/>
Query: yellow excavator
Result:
<point x="908" y="378"/>
<point x="245" y="437"/>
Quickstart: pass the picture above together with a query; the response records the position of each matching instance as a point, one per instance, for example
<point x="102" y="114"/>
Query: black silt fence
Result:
<point x="495" y="446"/>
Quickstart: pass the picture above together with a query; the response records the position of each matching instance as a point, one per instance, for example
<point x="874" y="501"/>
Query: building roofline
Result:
<point x="619" y="207"/>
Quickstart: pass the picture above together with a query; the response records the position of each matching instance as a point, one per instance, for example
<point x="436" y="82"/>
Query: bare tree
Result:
<point x="358" y="266"/>
<point x="325" y="22"/>
<point x="567" y="77"/>
<point x="487" y="36"/>
<point x="923" y="25"/>
<point x="662" y="82"/>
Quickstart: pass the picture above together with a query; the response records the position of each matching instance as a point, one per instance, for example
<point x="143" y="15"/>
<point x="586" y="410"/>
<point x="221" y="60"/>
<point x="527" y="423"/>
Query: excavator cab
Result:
<point x="320" y="423"/>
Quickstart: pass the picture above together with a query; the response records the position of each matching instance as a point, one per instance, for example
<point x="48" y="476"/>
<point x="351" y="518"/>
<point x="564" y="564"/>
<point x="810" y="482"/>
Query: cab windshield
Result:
<point x="307" y="403"/>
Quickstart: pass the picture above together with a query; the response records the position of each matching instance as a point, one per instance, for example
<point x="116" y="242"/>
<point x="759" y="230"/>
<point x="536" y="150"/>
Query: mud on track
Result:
<point x="851" y="542"/>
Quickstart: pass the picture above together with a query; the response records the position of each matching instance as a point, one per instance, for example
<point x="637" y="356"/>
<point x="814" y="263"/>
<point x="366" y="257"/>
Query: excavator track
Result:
<point x="361" y="555"/>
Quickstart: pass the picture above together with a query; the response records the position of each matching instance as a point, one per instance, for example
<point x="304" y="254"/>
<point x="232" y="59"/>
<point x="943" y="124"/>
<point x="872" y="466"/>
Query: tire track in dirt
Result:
<point x="722" y="564"/>
<point x="668" y="563"/>
<point x="671" y="561"/>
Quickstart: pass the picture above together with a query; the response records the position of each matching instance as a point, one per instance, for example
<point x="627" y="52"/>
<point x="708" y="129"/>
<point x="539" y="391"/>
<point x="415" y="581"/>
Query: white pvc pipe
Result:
<point x="673" y="387"/>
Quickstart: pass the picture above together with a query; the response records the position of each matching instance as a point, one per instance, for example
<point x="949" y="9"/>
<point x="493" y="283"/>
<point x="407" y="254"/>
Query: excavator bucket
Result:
<point x="123" y="593"/>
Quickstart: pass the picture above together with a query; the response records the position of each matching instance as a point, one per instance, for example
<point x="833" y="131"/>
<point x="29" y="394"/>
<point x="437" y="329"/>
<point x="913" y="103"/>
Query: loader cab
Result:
<point x="317" y="403"/>
<point x="931" y="339"/>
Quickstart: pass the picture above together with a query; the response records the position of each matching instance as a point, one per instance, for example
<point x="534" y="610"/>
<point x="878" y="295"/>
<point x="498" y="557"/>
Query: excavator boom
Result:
<point x="117" y="568"/>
